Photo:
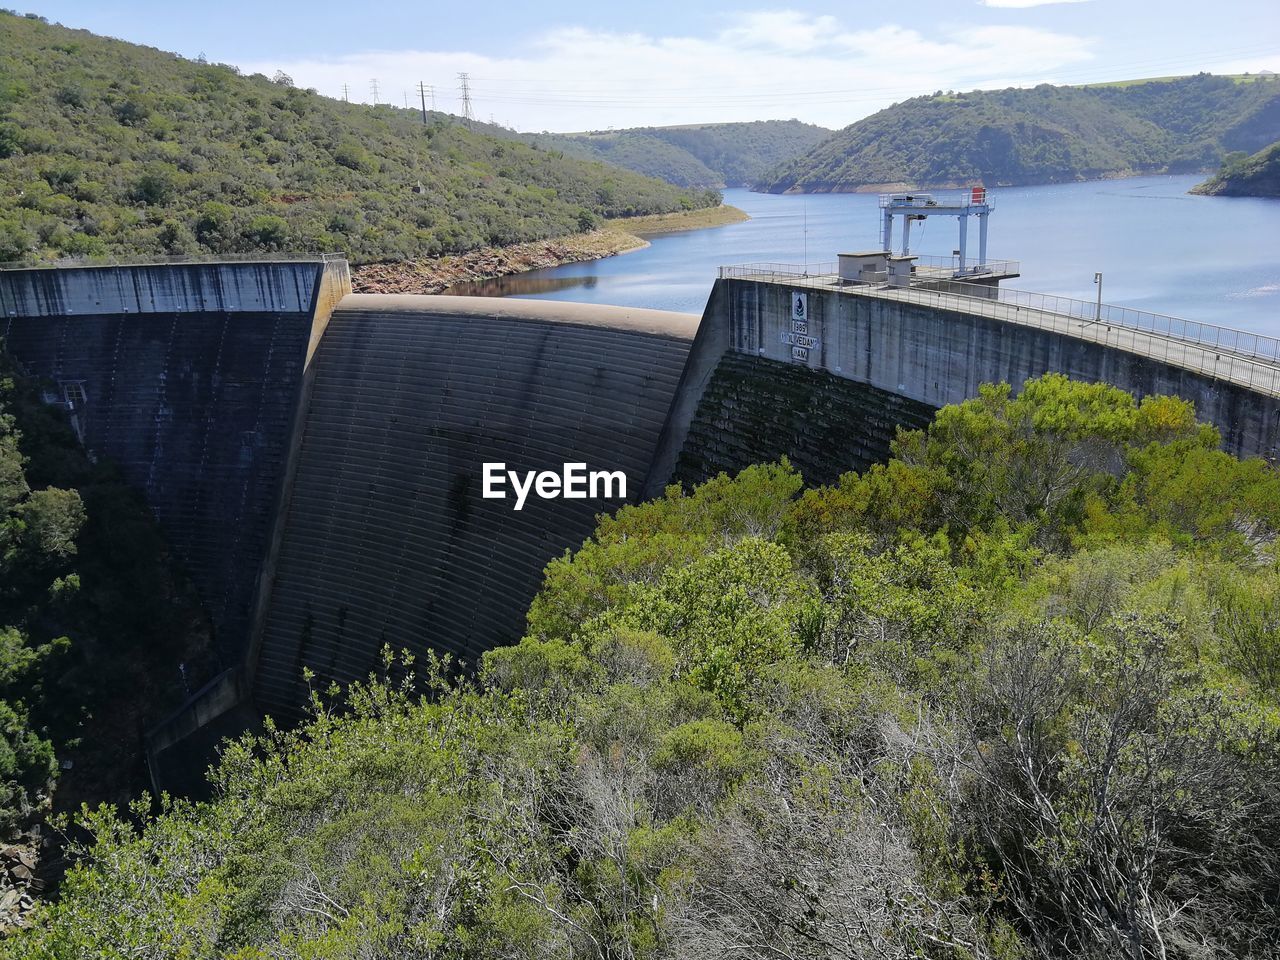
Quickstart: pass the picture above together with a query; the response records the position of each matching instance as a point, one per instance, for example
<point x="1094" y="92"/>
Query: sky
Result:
<point x="567" y="66"/>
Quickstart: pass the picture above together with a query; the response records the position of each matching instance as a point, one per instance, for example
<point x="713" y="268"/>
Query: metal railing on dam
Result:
<point x="1249" y="359"/>
<point x="830" y="271"/>
<point x="75" y="263"/>
<point x="1000" y="268"/>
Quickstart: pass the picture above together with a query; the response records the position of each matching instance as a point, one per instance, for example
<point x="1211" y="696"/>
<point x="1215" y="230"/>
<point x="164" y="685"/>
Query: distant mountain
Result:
<point x="109" y="148"/>
<point x="701" y="155"/>
<point x="1244" y="175"/>
<point x="1046" y="134"/>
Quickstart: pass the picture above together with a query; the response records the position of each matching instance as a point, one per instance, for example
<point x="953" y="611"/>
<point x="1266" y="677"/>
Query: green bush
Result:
<point x="267" y="232"/>
<point x="749" y="723"/>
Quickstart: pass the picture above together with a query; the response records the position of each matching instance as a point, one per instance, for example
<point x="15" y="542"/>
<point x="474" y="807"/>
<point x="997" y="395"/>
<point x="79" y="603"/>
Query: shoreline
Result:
<point x="905" y="187"/>
<point x="661" y="223"/>
<point x="436" y="274"/>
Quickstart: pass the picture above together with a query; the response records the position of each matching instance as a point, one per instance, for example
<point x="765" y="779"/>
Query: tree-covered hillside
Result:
<point x="1015" y="695"/>
<point x="1244" y="175"/>
<point x="1043" y="135"/>
<point x="699" y="155"/>
<point x="108" y="148"/>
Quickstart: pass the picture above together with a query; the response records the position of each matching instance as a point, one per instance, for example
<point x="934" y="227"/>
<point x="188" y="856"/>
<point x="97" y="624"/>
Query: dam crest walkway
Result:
<point x="1247" y="359"/>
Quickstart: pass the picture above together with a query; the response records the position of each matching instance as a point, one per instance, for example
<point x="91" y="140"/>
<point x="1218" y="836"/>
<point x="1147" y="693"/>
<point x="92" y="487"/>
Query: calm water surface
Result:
<point x="1214" y="259"/>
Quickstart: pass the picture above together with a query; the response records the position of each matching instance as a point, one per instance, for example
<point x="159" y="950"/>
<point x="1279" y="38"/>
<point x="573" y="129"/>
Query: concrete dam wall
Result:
<point x="188" y="376"/>
<point x="388" y="539"/>
<point x="935" y="356"/>
<point x="316" y="457"/>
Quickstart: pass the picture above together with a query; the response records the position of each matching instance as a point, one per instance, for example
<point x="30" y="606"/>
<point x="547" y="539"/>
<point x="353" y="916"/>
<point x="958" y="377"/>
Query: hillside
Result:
<point x="1246" y="176"/>
<point x="700" y="155"/>
<point x="1013" y="694"/>
<point x="109" y="148"/>
<point x="1043" y="135"/>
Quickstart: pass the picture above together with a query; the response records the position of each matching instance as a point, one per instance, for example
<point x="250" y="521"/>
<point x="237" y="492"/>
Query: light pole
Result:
<point x="806" y="236"/>
<point x="1097" y="317"/>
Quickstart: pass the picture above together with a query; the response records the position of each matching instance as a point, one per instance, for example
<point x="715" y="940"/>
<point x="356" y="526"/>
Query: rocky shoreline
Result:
<point x="437" y="274"/>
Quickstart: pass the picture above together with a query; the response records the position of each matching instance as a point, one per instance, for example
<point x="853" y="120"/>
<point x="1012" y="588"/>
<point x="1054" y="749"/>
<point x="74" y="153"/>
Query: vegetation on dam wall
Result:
<point x="1015" y="693"/>
<point x="109" y="148"/>
<point x="756" y="410"/>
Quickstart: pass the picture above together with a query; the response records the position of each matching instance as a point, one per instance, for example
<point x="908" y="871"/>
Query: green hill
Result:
<point x="699" y="155"/>
<point x="109" y="148"/>
<point x="1043" y="135"/>
<point x="1243" y="175"/>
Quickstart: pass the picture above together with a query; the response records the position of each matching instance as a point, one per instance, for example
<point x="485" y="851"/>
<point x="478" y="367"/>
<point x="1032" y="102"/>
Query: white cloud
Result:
<point x="767" y="65"/>
<point x="1024" y="4"/>
<point x="779" y="30"/>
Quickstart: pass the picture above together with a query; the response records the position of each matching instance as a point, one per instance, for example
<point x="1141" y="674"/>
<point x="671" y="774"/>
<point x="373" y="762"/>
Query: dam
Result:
<point x="315" y="457"/>
<point x="387" y="536"/>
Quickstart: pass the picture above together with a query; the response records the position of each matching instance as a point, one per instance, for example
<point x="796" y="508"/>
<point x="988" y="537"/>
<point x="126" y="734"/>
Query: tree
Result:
<point x="51" y="522"/>
<point x="1128" y="807"/>
<point x="750" y="723"/>
<point x="1036" y="458"/>
<point x="145" y="127"/>
<point x="267" y="232"/>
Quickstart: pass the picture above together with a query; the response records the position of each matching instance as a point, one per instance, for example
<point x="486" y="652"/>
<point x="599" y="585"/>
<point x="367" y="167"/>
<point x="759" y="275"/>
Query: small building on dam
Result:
<point x="316" y="458"/>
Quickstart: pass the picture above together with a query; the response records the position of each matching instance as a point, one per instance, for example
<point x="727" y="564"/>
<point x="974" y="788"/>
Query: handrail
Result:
<point x="1218" y="360"/>
<point x="1002" y="267"/>
<point x="1240" y="342"/>
<point x="74" y="263"/>
<point x="830" y="269"/>
<point x="923" y="199"/>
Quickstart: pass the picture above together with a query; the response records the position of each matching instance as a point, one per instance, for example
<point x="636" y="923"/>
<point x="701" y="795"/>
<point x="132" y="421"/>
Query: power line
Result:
<point x="546" y="92"/>
<point x="464" y="84"/>
<point x="592" y="95"/>
<point x="1122" y="70"/>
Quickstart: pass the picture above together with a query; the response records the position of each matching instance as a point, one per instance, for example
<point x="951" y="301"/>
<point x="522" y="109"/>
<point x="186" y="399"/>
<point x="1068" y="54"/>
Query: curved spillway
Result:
<point x="387" y="539"/>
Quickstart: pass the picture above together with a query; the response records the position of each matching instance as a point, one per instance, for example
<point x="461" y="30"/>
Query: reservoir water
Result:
<point x="1213" y="259"/>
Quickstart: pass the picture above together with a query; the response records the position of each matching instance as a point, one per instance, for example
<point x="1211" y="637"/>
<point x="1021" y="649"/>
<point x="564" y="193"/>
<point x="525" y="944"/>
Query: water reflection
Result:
<point x="519" y="284"/>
